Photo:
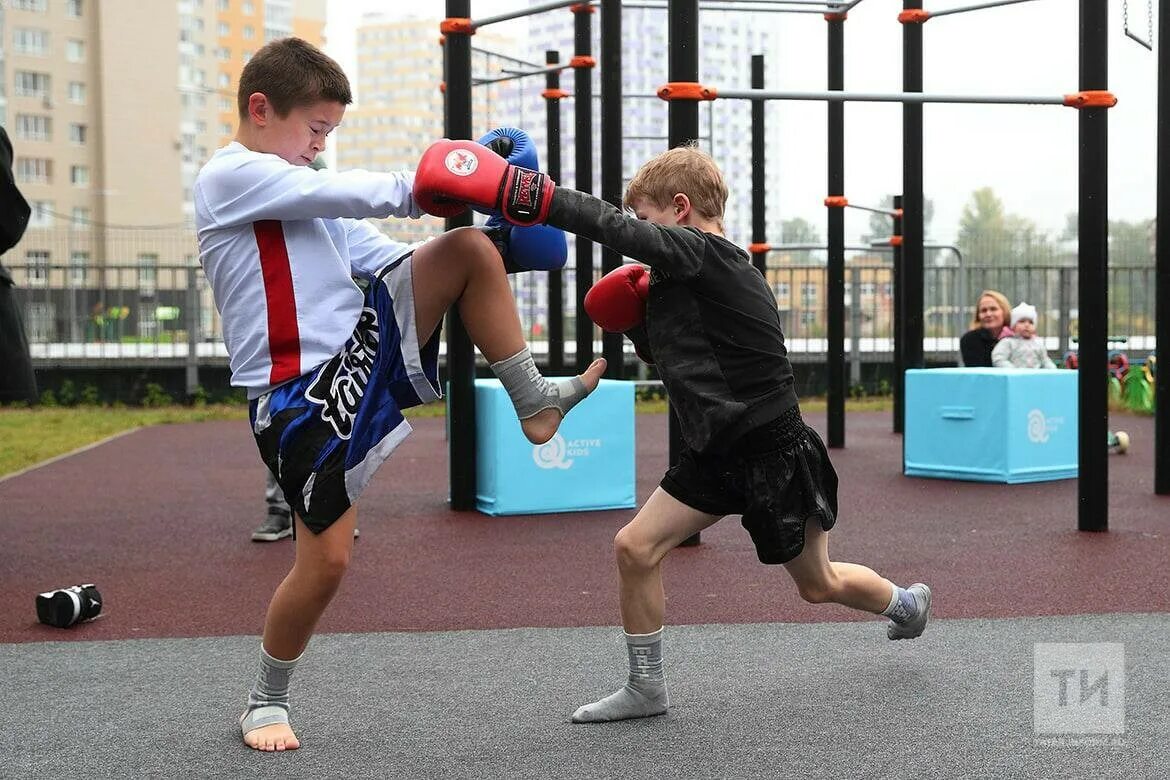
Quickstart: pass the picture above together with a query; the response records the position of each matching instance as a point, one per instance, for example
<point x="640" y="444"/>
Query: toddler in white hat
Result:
<point x="1023" y="349"/>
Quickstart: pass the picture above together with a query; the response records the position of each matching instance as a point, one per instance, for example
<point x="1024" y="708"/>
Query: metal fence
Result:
<point x="165" y="311"/>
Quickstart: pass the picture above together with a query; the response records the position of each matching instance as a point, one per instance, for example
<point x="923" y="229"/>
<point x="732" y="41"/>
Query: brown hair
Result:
<point x="686" y="169"/>
<point x="291" y="73"/>
<point x="1000" y="298"/>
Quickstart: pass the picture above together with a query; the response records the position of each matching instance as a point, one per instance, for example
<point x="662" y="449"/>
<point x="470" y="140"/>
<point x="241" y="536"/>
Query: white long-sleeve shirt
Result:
<point x="279" y="244"/>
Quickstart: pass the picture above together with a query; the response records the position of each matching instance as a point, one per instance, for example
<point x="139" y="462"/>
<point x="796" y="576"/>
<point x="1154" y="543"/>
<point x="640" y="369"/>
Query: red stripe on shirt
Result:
<point x="284" y="337"/>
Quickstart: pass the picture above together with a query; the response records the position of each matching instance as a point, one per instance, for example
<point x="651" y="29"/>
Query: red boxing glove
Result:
<point x="617" y="303"/>
<point x="453" y="173"/>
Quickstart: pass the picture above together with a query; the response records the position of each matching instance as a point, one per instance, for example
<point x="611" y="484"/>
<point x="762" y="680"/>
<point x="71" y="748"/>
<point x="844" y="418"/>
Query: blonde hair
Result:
<point x="999" y="298"/>
<point x="686" y="169"/>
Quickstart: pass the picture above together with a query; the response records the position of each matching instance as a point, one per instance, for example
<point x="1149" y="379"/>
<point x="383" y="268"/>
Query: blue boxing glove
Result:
<point x="514" y="145"/>
<point x="532" y="248"/>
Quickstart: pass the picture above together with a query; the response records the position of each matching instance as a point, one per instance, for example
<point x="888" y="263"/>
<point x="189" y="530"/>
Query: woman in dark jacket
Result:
<point x="988" y="326"/>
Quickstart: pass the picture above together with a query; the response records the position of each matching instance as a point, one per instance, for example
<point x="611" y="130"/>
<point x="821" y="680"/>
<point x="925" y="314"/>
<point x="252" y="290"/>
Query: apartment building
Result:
<point x="112" y="107"/>
<point x="398" y="109"/>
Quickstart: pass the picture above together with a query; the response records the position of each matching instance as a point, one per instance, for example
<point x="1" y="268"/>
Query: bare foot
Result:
<point x="543" y="425"/>
<point x="271" y="738"/>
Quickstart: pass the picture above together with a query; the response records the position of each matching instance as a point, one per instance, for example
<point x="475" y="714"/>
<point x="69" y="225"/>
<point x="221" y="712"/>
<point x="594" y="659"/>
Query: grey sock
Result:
<point x="644" y="693"/>
<point x="530" y="392"/>
<point x="271" y="686"/>
<point x="902" y="606"/>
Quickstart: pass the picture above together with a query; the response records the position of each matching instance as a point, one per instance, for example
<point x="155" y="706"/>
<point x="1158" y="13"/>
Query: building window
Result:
<point x="32" y="42"/>
<point x="147" y="274"/>
<point x="36" y="6"/>
<point x="79" y="175"/>
<point x="77" y="92"/>
<point x="34" y="170"/>
<point x="78" y="263"/>
<point x="249" y="32"/>
<point x="808" y="294"/>
<point x="225" y="80"/>
<point x="31" y="84"/>
<point x="33" y="127"/>
<point x="249" y="8"/>
<point x="75" y="50"/>
<point x="222" y="5"/>
<point x="38" y="267"/>
<point x="73" y="9"/>
<point x="224" y="29"/>
<point x="77" y="133"/>
<point x="42" y="214"/>
<point x="80" y="217"/>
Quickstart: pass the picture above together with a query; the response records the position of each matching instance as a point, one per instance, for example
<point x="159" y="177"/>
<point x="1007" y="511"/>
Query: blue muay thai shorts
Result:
<point x="324" y="434"/>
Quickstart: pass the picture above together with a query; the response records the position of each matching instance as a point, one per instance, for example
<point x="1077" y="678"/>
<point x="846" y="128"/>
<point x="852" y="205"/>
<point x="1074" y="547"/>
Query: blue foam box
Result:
<point x="588" y="465"/>
<point x="1007" y="425"/>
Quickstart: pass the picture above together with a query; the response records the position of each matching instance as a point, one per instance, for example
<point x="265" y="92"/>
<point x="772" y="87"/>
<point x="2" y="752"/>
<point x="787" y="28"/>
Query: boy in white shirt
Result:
<point x="329" y="363"/>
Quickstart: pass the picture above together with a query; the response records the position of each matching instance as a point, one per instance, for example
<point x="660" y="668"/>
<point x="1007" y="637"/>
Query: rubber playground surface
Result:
<point x="460" y="643"/>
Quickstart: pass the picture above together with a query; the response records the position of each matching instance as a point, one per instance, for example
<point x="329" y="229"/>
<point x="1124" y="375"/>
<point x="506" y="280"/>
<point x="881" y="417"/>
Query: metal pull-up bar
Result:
<point x="686" y="90"/>
<point x="919" y="15"/>
<point x="537" y="72"/>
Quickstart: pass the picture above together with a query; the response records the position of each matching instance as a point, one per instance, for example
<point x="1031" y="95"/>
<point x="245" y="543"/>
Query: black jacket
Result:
<point x="711" y="326"/>
<point x="976" y="345"/>
<point x="14" y="209"/>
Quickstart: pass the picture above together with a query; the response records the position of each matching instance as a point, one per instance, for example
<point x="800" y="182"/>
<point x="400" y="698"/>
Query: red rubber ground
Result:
<point x="160" y="521"/>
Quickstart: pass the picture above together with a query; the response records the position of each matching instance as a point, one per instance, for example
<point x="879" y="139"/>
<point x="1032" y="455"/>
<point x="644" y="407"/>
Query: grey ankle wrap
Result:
<point x="268" y="697"/>
<point x="530" y="392"/>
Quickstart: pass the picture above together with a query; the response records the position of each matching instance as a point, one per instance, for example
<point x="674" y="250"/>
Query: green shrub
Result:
<point x="154" y="396"/>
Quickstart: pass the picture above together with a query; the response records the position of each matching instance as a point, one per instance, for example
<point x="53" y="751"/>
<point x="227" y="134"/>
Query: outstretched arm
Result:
<point x="676" y="250"/>
<point x="264" y="187"/>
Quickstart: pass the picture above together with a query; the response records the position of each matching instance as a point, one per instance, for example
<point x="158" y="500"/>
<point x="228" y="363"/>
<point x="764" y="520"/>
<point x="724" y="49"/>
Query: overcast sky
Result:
<point x="1026" y="154"/>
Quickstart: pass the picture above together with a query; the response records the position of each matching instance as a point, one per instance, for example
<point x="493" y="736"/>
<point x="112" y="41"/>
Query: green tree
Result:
<point x="799" y="231"/>
<point x="989" y="236"/>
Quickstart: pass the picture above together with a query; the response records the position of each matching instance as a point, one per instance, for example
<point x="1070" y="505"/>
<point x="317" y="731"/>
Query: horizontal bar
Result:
<point x="774" y="2"/>
<point x="1133" y="37"/>
<point x="510" y="58"/>
<point x="888" y="212"/>
<point x="535" y="9"/>
<point x="979" y="7"/>
<point x="836" y="96"/>
<point x="825" y="8"/>
<point x="477" y="80"/>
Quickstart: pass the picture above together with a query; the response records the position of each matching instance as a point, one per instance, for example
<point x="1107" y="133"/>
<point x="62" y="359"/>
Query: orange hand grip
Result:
<point x="686" y="90"/>
<point x="442" y="40"/>
<point x="582" y="8"/>
<point x="1092" y="98"/>
<point x="913" y="16"/>
<point x="554" y="94"/>
<point x="831" y="17"/>
<point x="836" y="201"/>
<point x="756" y="248"/>
<point x="895" y="241"/>
<point x="456" y="25"/>
<point x="582" y="61"/>
<point x="897" y="213"/>
<point x="443" y="87"/>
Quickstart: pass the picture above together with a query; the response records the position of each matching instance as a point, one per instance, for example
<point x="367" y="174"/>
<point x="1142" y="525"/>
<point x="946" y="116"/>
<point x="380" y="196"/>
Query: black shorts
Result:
<point x="777" y="476"/>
